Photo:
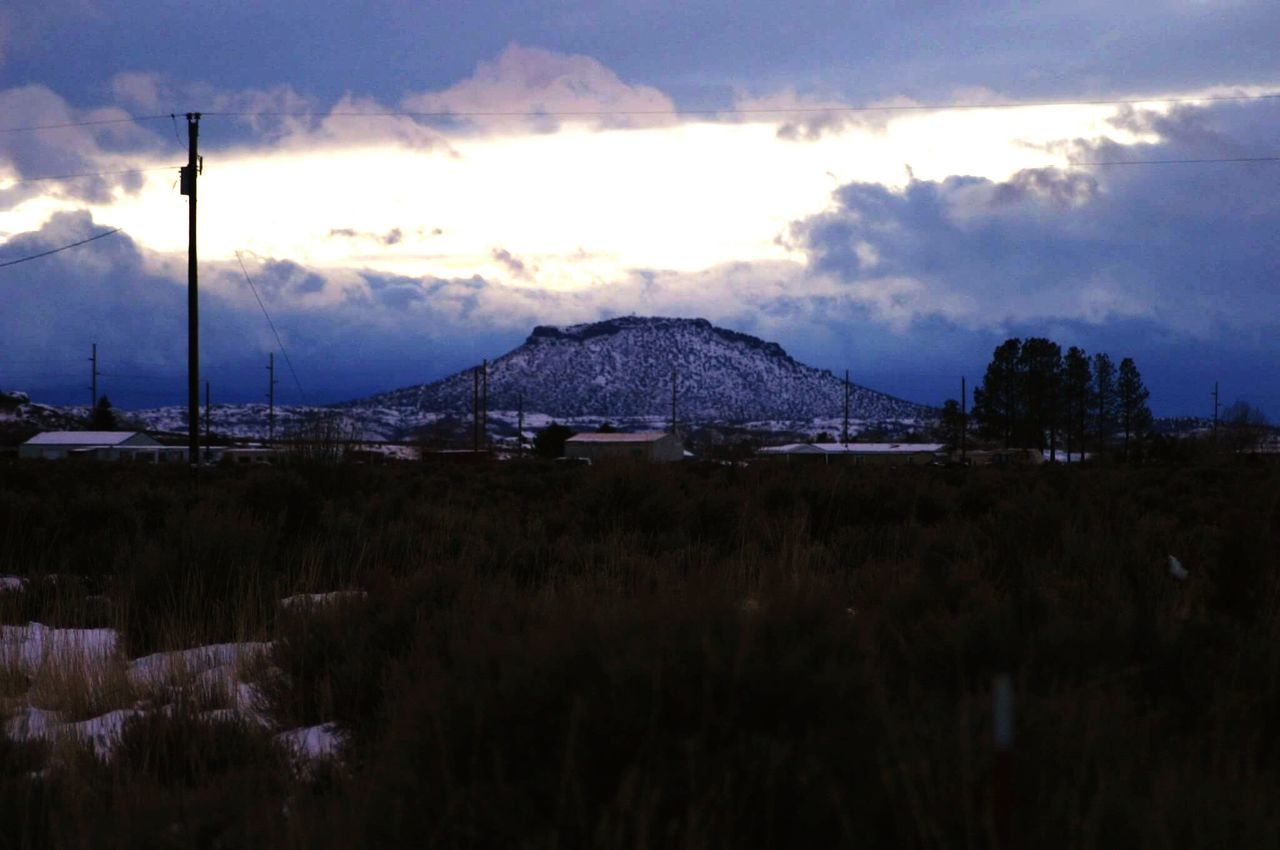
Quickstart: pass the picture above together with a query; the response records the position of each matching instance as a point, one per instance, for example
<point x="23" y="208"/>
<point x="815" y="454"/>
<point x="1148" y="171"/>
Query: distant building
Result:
<point x="857" y="453"/>
<point x="232" y="455"/>
<point x="1009" y="457"/>
<point x="100" y="445"/>
<point x="640" y="445"/>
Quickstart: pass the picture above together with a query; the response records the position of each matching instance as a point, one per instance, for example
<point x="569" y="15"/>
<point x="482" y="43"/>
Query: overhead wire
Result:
<point x="91" y="123"/>
<point x="1198" y="161"/>
<point x="272" y="324"/>
<point x="52" y="177"/>
<point x="676" y="112"/>
<point x="57" y="250"/>
<point x="763" y="110"/>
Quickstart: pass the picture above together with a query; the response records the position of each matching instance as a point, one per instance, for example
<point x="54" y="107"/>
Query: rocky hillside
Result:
<point x="623" y="368"/>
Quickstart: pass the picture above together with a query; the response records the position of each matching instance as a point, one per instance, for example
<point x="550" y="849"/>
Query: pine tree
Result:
<point x="1131" y="402"/>
<point x="1076" y="379"/>
<point x="1040" y="365"/>
<point x="951" y="424"/>
<point x="997" y="402"/>
<point x="103" y="416"/>
<point x="549" y="442"/>
<point x="1103" y="397"/>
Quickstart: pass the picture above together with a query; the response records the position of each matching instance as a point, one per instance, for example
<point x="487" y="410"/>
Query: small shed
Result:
<point x="638" y="445"/>
<point x="101" y="445"/>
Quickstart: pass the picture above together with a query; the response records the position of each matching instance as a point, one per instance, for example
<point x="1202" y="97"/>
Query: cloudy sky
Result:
<point x="892" y="188"/>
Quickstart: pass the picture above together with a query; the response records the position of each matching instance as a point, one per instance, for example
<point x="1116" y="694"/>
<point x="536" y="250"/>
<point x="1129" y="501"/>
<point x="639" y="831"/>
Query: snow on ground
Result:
<point x="213" y="671"/>
<point x="12" y="583"/>
<point x="312" y="743"/>
<point x="162" y="668"/>
<point x="319" y="600"/>
<point x="28" y="647"/>
<point x="101" y="733"/>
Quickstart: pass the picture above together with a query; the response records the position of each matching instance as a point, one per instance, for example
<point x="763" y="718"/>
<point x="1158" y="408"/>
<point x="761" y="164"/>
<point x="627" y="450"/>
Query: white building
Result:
<point x="857" y="453"/>
<point x="100" y="445"/>
<point x="640" y="445"/>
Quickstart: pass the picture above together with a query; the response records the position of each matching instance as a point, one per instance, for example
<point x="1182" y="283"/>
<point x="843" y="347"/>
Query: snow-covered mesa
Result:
<point x="620" y="370"/>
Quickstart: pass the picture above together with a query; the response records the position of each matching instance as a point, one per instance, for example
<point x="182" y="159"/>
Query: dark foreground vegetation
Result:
<point x="670" y="656"/>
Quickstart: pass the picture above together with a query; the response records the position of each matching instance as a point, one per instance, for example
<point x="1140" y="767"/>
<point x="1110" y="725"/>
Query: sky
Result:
<point x="888" y="188"/>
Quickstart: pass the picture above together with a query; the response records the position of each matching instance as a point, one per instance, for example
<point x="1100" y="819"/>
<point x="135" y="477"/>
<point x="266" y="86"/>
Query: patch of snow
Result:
<point x="163" y="667"/>
<point x="8" y="583"/>
<point x="28" y="723"/>
<point x="102" y="733"/>
<point x="313" y="742"/>
<point x="319" y="600"/>
<point x="28" y="647"/>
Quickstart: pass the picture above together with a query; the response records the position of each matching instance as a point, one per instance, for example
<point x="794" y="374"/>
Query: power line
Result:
<point x="137" y="377"/>
<point x="92" y="123"/>
<point x="779" y="110"/>
<point x="56" y="250"/>
<point x="586" y="113"/>
<point x="1200" y="161"/>
<point x="279" y="341"/>
<point x="93" y="174"/>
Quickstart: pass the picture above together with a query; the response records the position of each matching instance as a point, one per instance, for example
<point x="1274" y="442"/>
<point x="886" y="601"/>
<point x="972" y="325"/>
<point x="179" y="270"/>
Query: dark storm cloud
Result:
<point x="1190" y="246"/>
<point x="68" y="152"/>
<point x="1172" y="258"/>
<point x="511" y="263"/>
<point x="347" y="333"/>
<point x="701" y="53"/>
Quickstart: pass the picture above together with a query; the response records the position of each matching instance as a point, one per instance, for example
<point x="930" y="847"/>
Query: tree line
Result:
<point x="1033" y="395"/>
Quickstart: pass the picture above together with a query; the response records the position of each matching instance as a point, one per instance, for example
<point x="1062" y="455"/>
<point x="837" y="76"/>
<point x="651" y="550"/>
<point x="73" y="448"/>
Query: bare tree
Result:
<point x="1246" y="427"/>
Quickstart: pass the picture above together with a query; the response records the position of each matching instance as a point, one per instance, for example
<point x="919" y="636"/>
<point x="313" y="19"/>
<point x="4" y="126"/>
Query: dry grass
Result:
<point x="694" y="656"/>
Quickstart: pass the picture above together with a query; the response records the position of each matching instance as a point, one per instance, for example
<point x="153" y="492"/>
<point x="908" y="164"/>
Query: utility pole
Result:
<point x="271" y="397"/>
<point x="1215" y="414"/>
<point x="206" y="420"/>
<point x="520" y="424"/>
<point x="844" y="434"/>
<point x="475" y="410"/>
<point x="673" y="401"/>
<point x="189" y="173"/>
<point x="93" y="379"/>
<point x="964" y="419"/>
<point x="484" y="404"/>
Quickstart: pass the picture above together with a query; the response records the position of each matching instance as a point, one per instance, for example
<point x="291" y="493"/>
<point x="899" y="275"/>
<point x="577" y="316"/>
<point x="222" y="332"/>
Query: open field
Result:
<point x="528" y="655"/>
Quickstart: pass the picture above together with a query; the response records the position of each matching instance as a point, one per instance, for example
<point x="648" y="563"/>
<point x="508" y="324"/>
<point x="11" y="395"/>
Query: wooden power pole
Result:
<point x="271" y="397"/>
<point x="206" y="420"/>
<point x="964" y="420"/>
<point x="190" y="172"/>
<point x="844" y="433"/>
<point x="674" y="377"/>
<point x="93" y="379"/>
<point x="475" y="410"/>
<point x="1215" y="414"/>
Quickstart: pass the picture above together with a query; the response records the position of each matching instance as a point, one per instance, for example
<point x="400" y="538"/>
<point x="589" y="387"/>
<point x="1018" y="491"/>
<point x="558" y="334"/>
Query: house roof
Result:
<point x="83" y="438"/>
<point x="854" y="448"/>
<point x="619" y="437"/>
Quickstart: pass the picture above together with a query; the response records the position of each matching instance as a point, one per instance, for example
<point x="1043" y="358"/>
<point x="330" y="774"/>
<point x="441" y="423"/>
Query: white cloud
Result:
<point x="527" y="81"/>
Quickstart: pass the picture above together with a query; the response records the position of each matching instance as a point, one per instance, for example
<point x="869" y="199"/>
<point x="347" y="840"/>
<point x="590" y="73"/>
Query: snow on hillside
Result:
<point x="618" y="370"/>
<point x="623" y="368"/>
